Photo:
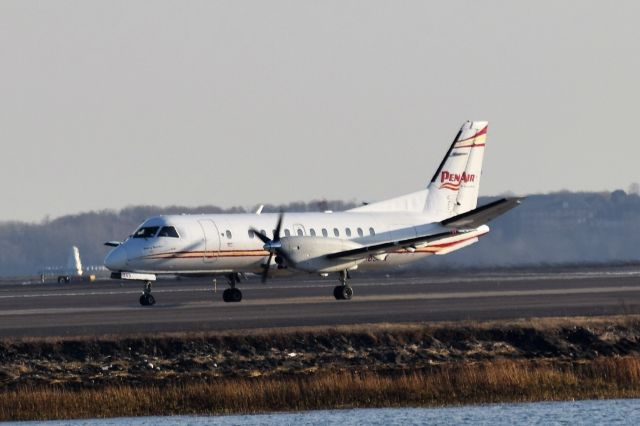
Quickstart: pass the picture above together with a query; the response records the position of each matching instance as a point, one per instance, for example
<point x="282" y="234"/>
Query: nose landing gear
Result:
<point x="232" y="294"/>
<point x="146" y="298"/>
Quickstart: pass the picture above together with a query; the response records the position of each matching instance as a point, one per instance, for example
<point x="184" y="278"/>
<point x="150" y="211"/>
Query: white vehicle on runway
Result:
<point x="437" y="220"/>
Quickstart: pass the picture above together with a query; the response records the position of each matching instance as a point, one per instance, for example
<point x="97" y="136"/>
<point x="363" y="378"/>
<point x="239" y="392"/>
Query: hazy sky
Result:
<point x="105" y="104"/>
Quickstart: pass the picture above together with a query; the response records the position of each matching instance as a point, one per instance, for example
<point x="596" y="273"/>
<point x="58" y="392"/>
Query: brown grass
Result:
<point x="449" y="384"/>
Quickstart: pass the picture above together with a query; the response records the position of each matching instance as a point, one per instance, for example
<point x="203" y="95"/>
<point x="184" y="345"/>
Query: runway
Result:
<point x="111" y="307"/>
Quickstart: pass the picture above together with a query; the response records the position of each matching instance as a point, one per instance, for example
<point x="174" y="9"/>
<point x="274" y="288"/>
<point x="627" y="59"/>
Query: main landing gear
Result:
<point x="343" y="291"/>
<point x="232" y="294"/>
<point x="146" y="298"/>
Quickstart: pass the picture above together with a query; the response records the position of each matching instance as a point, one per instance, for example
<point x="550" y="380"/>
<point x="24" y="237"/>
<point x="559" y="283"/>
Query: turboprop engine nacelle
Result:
<point x="308" y="253"/>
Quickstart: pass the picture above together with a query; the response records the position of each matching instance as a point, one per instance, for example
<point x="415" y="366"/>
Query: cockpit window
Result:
<point x="168" y="231"/>
<point x="146" y="232"/>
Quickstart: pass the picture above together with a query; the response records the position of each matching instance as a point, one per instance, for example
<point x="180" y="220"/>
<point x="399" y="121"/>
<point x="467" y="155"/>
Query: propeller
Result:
<point x="273" y="246"/>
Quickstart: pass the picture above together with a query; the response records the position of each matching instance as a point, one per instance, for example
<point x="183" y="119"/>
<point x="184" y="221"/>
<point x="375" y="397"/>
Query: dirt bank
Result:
<point x="96" y="362"/>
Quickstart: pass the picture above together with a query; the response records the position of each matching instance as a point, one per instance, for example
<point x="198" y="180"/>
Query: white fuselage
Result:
<point x="386" y="233"/>
<point x="224" y="243"/>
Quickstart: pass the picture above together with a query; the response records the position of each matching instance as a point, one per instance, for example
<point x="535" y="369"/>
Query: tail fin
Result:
<point x="74" y="265"/>
<point x="453" y="190"/>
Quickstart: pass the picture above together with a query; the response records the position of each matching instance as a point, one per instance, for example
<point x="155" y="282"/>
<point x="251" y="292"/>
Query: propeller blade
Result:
<point x="273" y="246"/>
<point x="260" y="235"/>
<point x="265" y="271"/>
<point x="276" y="232"/>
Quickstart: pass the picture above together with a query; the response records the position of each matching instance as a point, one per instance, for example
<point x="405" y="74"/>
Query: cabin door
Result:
<point x="211" y="239"/>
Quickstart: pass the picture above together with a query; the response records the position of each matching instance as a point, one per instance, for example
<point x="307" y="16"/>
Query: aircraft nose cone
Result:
<point x="116" y="260"/>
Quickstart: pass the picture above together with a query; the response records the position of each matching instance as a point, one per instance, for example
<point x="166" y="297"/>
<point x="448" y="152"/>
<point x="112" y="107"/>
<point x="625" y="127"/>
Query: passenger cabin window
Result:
<point x="287" y="233"/>
<point x="168" y="231"/>
<point x="372" y="231"/>
<point x="324" y="232"/>
<point x="312" y="232"/>
<point x="336" y="232"/>
<point x="347" y="231"/>
<point x="228" y="234"/>
<point x="360" y="232"/>
<point x="146" y="232"/>
<point x="300" y="233"/>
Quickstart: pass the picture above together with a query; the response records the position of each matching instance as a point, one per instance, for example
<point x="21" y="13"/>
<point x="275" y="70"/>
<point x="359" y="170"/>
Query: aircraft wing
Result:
<point x="386" y="247"/>
<point x="468" y="222"/>
<point x="481" y="215"/>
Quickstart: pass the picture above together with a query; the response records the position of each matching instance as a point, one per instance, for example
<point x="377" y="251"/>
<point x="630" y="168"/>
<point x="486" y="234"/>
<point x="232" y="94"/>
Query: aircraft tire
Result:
<point x="346" y="292"/>
<point x="232" y="295"/>
<point x="337" y="292"/>
<point x="147" y="300"/>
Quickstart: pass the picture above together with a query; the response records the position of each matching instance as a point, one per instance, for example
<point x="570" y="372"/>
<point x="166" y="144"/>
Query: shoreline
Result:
<point x="257" y="371"/>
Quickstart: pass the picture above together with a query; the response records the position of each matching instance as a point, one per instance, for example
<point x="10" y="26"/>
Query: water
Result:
<point x="609" y="412"/>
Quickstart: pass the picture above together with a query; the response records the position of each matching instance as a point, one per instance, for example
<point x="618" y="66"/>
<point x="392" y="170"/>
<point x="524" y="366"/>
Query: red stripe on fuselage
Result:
<point x="264" y="253"/>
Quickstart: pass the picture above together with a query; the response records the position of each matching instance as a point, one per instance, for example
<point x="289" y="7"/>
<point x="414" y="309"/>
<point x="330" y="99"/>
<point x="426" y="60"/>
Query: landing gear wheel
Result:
<point x="336" y="292"/>
<point x="343" y="292"/>
<point x="147" y="300"/>
<point x="346" y="293"/>
<point x="232" y="295"/>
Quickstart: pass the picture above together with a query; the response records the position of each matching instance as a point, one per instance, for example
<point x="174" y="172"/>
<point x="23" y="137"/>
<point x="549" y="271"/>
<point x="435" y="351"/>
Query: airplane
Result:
<point x="439" y="219"/>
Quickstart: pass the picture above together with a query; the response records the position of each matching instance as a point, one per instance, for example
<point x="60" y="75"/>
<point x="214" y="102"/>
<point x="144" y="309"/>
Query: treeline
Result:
<point x="550" y="229"/>
<point x="558" y="229"/>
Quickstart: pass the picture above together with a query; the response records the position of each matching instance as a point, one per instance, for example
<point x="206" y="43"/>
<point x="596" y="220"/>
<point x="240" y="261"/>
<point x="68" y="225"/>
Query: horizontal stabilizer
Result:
<point x="482" y="215"/>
